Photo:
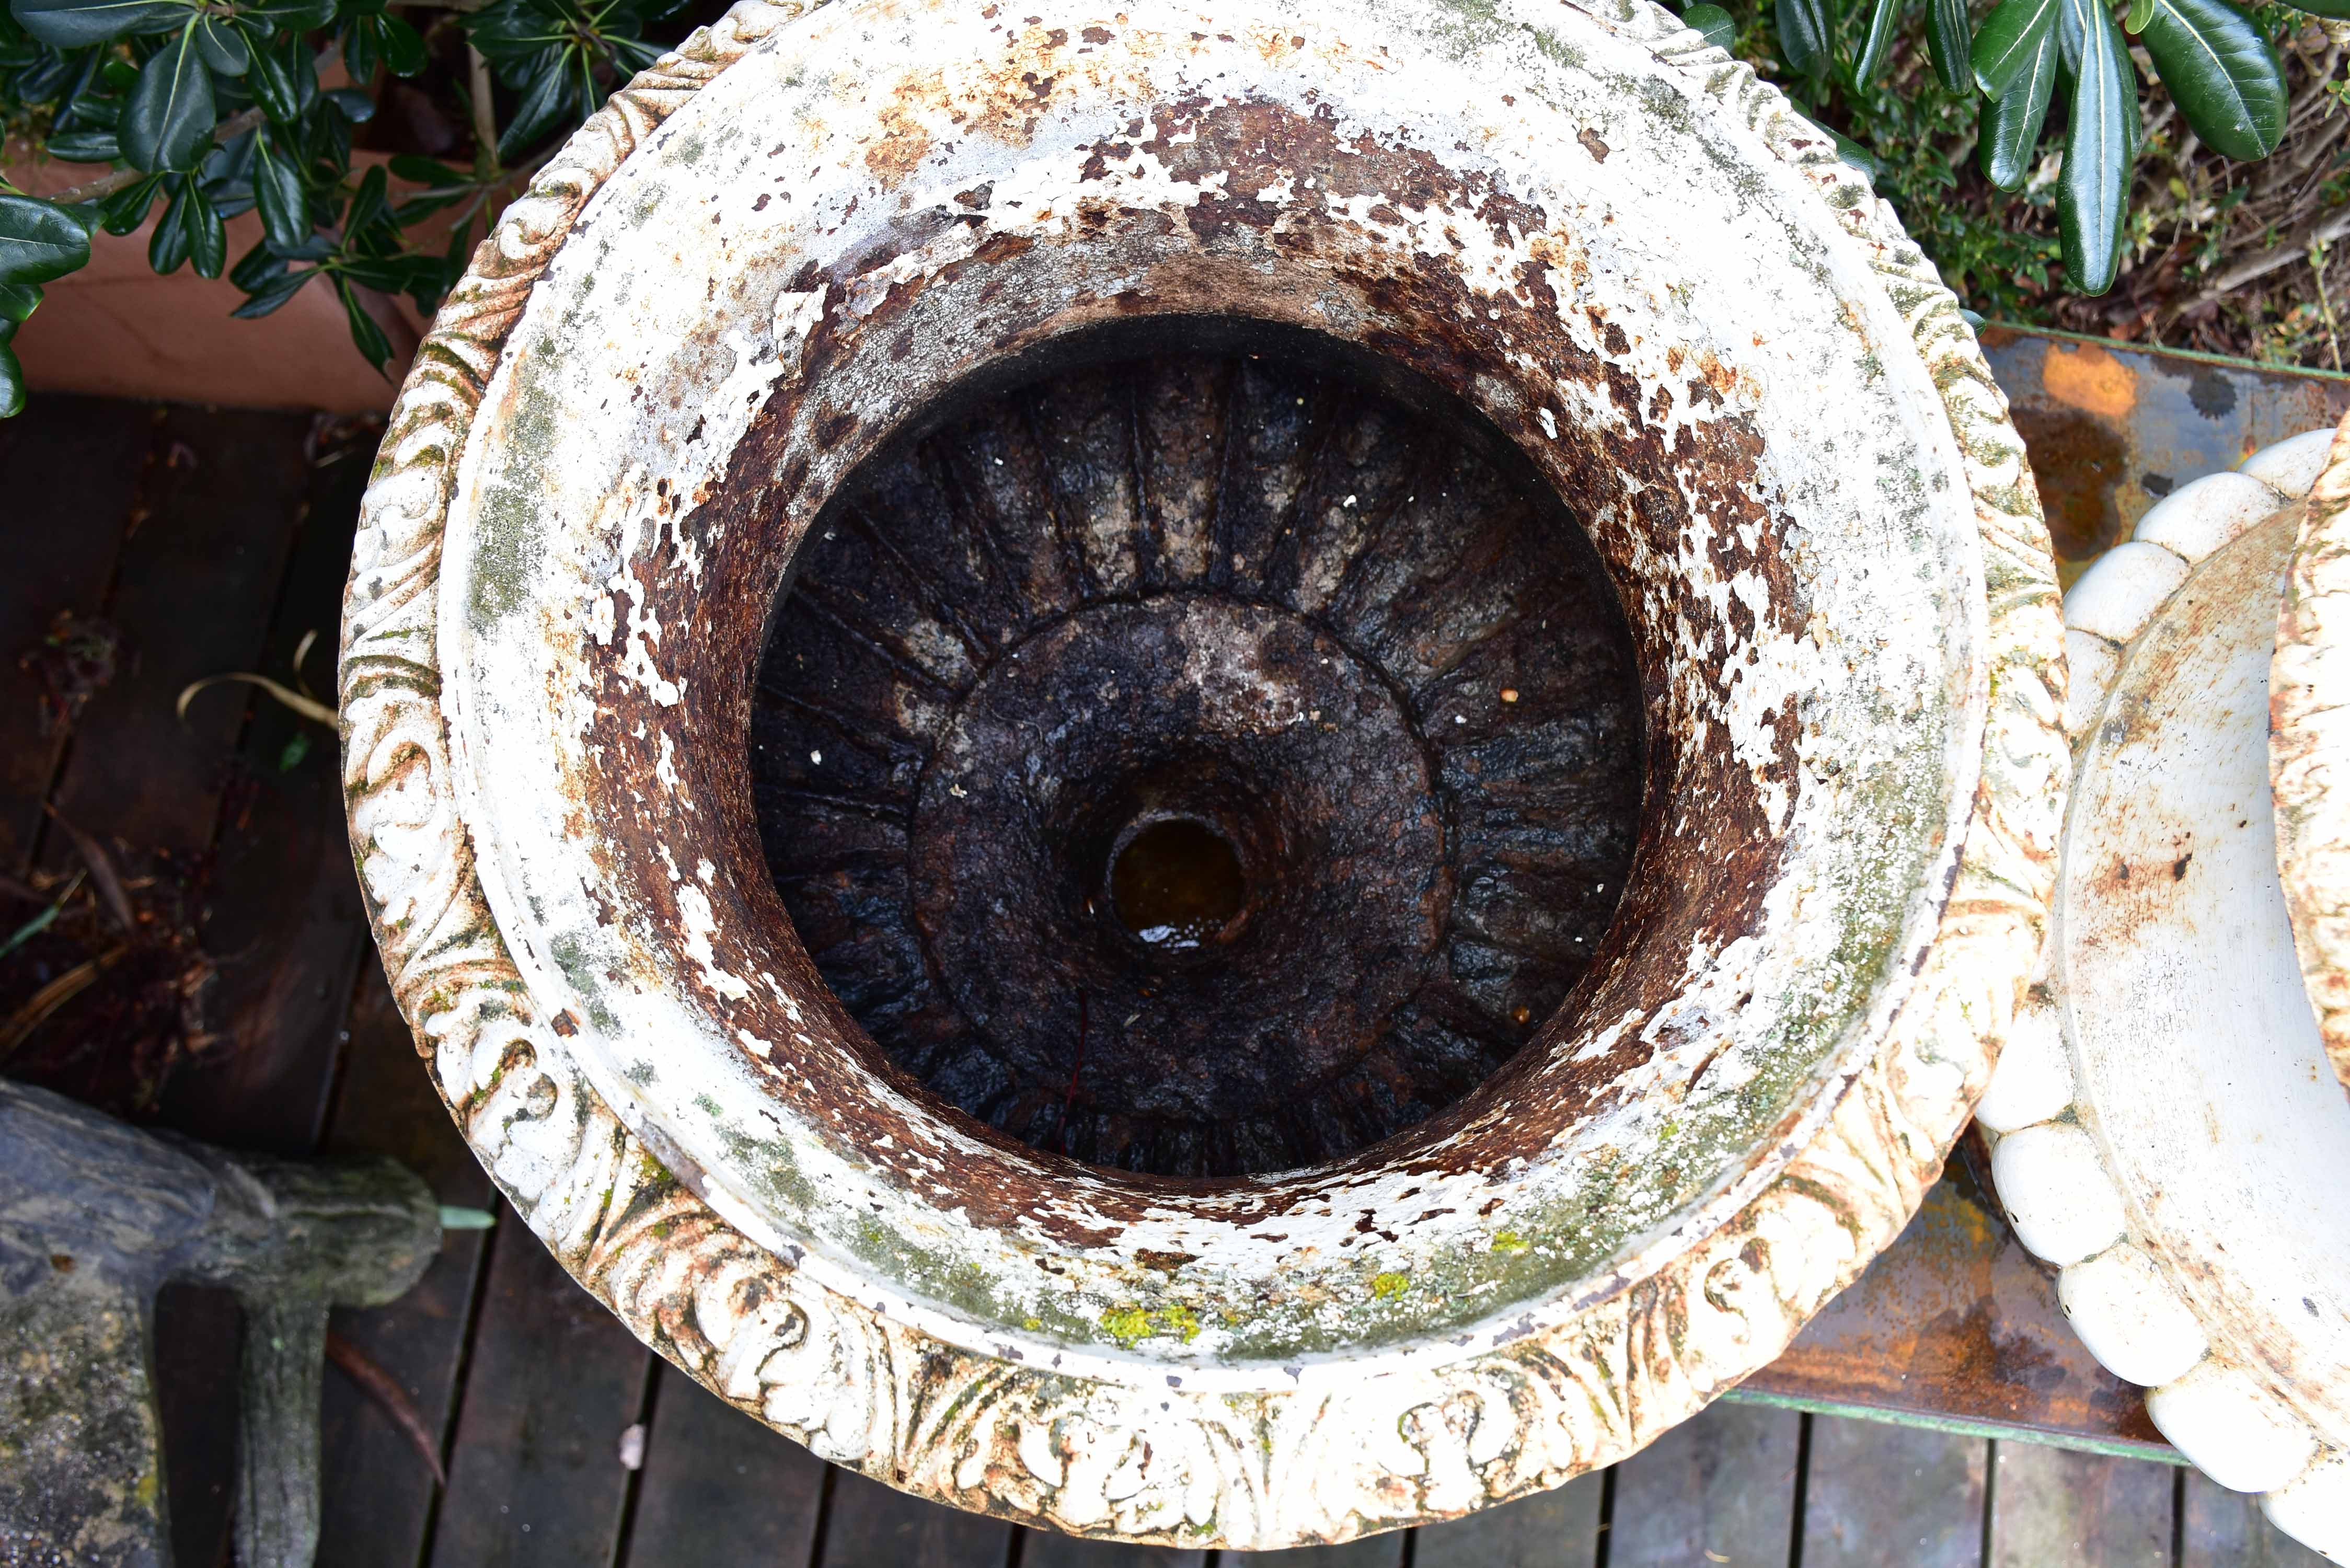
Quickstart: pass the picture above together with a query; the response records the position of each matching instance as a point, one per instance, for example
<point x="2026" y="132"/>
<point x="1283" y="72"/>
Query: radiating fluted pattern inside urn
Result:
<point x="1351" y="641"/>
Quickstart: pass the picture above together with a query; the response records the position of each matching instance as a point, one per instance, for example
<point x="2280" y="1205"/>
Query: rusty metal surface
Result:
<point x="1956" y="1324"/>
<point x="2114" y="429"/>
<point x="1249" y="591"/>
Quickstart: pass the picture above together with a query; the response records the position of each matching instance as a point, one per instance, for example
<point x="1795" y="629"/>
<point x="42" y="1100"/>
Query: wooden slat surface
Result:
<point x="377" y="1495"/>
<point x="2223" y="1529"/>
<point x="198" y="578"/>
<point x="1720" y="1489"/>
<point x="1047" y="1549"/>
<point x="720" y="1488"/>
<point x="535" y="1476"/>
<point x="286" y="920"/>
<point x="2084" y="1510"/>
<point x="72" y="466"/>
<point x="1878" y="1494"/>
<point x="871" y="1526"/>
<point x="1558" y="1528"/>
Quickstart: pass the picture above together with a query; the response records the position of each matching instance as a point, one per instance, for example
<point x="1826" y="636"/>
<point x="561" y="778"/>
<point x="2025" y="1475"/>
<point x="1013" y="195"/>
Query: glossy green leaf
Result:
<point x="168" y="122"/>
<point x="223" y="47"/>
<point x="401" y="46"/>
<point x="207" y="234"/>
<point x="2012" y="122"/>
<point x="541" y="106"/>
<point x="365" y="333"/>
<point x="2093" y="194"/>
<point x="1713" y="24"/>
<point x="2141" y="12"/>
<point x="1948" y="36"/>
<point x="2009" y="43"/>
<point x="39" y="241"/>
<point x="167" y="242"/>
<point x="95" y="145"/>
<point x="371" y="205"/>
<point x="1806" y="35"/>
<point x="2221" y="72"/>
<point x="285" y="205"/>
<point x="271" y="80"/>
<point x="18" y="301"/>
<point x="74" y="24"/>
<point x="1883" y="20"/>
<point x="273" y="294"/>
<point x="12" y="384"/>
<point x="126" y="208"/>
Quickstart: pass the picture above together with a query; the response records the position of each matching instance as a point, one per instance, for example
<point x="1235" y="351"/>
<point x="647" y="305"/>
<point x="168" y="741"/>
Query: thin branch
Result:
<point x="2284" y="253"/>
<point x="485" y="118"/>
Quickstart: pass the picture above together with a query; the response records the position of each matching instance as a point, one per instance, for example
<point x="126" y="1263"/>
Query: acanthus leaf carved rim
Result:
<point x="1093" y="1455"/>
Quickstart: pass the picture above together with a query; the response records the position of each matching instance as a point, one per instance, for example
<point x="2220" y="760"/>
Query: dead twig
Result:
<point x="308" y="707"/>
<point x="52" y="996"/>
<point x="2284" y="252"/>
<point x="102" y="872"/>
<point x="379" y="1386"/>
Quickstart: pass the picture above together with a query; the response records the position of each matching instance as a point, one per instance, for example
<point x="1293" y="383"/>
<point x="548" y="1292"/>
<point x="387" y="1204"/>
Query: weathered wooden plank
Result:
<point x="1875" y="1493"/>
<point x="536" y="1475"/>
<point x="287" y="919"/>
<point x="2088" y="1511"/>
<point x="1558" y="1528"/>
<point x="1718" y="1489"/>
<point x="198" y="575"/>
<point x="871" y="1526"/>
<point x="1369" y="1551"/>
<point x="198" y="1333"/>
<point x="73" y="467"/>
<point x="1048" y="1549"/>
<point x="376" y="1492"/>
<point x="2223" y="1529"/>
<point x="718" y="1487"/>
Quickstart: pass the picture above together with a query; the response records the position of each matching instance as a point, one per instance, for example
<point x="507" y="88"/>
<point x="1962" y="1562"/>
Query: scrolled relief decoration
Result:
<point x="553" y="604"/>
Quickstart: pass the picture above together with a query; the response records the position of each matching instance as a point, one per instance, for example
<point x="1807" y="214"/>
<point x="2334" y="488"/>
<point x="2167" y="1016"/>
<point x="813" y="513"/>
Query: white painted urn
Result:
<point x="1487" y="478"/>
<point x="2167" y="1120"/>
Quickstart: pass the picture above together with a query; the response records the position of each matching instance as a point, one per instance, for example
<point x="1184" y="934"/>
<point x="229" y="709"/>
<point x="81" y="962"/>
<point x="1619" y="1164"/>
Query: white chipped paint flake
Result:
<point x="696" y="927"/>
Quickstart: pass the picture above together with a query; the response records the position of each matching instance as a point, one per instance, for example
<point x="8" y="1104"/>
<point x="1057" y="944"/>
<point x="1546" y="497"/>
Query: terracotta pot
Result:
<point x="795" y="242"/>
<point x="2167" y="1129"/>
<point x="116" y="330"/>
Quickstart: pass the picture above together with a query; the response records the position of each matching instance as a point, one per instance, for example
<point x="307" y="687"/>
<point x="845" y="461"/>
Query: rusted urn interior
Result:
<point x="1270" y="793"/>
<point x="1199" y="763"/>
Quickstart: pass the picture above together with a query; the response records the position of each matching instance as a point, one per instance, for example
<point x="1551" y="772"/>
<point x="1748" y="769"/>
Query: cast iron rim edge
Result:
<point x="690" y="1283"/>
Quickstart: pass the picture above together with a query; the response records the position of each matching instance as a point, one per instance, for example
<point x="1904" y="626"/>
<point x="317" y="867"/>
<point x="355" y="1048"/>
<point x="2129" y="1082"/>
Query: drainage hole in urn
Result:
<point x="1177" y="883"/>
<point x="1199" y="763"/>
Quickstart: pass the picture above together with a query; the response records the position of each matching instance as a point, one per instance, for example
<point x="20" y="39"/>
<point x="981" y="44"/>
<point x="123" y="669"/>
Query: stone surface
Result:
<point x="94" y="1218"/>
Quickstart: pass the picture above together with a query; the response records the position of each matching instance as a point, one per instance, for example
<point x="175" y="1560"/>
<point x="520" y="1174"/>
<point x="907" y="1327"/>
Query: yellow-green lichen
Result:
<point x="1129" y="1325"/>
<point x="1390" y="1285"/>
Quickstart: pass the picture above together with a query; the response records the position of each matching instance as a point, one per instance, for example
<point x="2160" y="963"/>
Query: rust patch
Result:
<point x="2079" y="464"/>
